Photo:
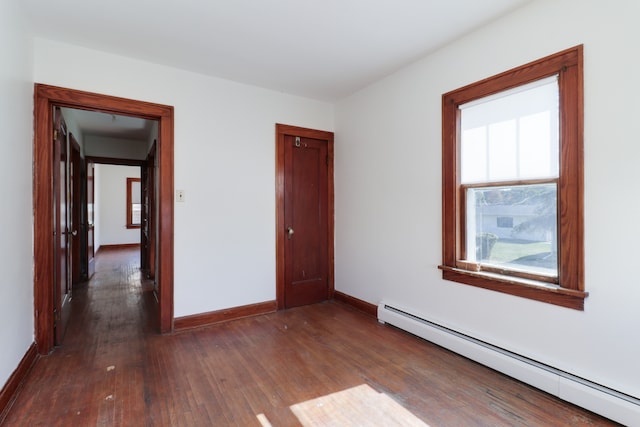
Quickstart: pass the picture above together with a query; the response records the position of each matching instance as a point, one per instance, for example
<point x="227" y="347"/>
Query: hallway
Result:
<point x="114" y="369"/>
<point x="78" y="383"/>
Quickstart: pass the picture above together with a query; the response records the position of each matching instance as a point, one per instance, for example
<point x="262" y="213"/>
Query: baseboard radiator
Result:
<point x="602" y="400"/>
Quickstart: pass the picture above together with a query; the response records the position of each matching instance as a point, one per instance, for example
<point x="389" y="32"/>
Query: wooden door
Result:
<point x="144" y="223"/>
<point x="148" y="228"/>
<point x="90" y="224"/>
<point x="306" y="231"/>
<point x="75" y="209"/>
<point x="61" y="219"/>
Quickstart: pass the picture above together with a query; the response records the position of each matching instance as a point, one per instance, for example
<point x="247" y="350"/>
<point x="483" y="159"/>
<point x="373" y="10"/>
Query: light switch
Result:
<point x="179" y="195"/>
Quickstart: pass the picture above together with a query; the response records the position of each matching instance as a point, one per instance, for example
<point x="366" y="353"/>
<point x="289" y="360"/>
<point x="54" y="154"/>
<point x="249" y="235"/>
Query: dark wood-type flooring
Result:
<point x="115" y="370"/>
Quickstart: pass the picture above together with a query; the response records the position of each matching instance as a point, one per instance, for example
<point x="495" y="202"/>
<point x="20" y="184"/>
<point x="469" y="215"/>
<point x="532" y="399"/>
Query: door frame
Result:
<point x="45" y="98"/>
<point x="281" y="131"/>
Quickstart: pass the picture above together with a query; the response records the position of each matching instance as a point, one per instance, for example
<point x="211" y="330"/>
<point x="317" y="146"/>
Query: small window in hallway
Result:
<point x="134" y="203"/>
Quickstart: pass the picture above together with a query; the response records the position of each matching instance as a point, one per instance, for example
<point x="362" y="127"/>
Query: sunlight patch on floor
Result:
<point x="264" y="421"/>
<point x="357" y="406"/>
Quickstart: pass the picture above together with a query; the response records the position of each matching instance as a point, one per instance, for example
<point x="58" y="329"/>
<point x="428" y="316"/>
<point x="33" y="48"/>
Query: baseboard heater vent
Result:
<point x="597" y="398"/>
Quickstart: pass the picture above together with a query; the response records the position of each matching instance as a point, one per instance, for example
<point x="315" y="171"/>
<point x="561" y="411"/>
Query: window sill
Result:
<point x="531" y="289"/>
<point x="133" y="226"/>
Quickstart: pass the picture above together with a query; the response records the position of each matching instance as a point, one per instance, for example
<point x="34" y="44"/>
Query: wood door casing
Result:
<point x="304" y="193"/>
<point x="46" y="97"/>
<point x="61" y="221"/>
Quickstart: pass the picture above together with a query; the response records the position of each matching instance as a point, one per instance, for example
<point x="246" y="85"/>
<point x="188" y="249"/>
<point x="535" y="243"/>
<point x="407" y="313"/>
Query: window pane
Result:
<point x="136" y="192"/>
<point x="512" y="135"/>
<point x="134" y="203"/>
<point x="513" y="227"/>
<point x="502" y="151"/>
<point x="534" y="161"/>
<point x="136" y="213"/>
<point x="474" y="155"/>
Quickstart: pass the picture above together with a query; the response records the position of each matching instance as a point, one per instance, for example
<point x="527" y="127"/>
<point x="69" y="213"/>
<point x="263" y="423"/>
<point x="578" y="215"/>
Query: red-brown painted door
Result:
<point x="75" y="209"/>
<point x="306" y="220"/>
<point x="148" y="228"/>
<point x="61" y="220"/>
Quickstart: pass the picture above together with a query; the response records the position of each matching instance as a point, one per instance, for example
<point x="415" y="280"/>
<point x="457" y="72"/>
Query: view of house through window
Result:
<point x="134" y="203"/>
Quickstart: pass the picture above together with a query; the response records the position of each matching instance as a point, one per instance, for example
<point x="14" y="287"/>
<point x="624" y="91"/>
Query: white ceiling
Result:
<point x="93" y="123"/>
<point x="321" y="49"/>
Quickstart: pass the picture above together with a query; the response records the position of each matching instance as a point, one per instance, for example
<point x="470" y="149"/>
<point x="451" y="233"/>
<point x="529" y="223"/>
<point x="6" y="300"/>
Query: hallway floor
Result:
<point x="280" y="369"/>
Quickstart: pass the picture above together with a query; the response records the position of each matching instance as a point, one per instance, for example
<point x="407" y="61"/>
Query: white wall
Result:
<point x="16" y="241"/>
<point x="101" y="146"/>
<point x="111" y="205"/>
<point x="224" y="161"/>
<point x="388" y="191"/>
<point x="153" y="136"/>
<point x="72" y="127"/>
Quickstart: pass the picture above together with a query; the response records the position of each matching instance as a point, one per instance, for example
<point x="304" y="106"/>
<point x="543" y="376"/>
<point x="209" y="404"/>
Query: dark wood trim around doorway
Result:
<point x="114" y="161"/>
<point x="45" y="97"/>
<point x="117" y="247"/>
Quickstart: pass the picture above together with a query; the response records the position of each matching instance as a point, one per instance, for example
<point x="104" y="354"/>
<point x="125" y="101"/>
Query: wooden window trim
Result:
<point x="130" y="223"/>
<point x="569" y="292"/>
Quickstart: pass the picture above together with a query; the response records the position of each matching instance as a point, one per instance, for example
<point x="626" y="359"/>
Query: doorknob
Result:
<point x="289" y="233"/>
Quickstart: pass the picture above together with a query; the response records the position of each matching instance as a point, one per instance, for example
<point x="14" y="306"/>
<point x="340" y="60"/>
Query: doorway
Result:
<point x="45" y="99"/>
<point x="304" y="216"/>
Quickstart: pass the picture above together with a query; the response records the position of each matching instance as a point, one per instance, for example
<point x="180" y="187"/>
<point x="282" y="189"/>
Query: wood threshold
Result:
<point x="206" y="319"/>
<point x="118" y="247"/>
<point x="11" y="388"/>
<point x="365" y="307"/>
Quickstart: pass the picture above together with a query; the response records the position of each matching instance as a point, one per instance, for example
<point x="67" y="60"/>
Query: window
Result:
<point x="512" y="182"/>
<point x="134" y="205"/>
<point x="504" y="222"/>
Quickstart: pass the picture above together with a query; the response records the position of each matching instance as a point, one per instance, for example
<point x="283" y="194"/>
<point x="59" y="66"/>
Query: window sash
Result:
<point x="469" y="241"/>
<point x="512" y="134"/>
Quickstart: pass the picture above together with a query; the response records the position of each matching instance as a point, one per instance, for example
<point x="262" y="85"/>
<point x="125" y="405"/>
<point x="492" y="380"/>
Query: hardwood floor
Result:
<point x="115" y="370"/>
